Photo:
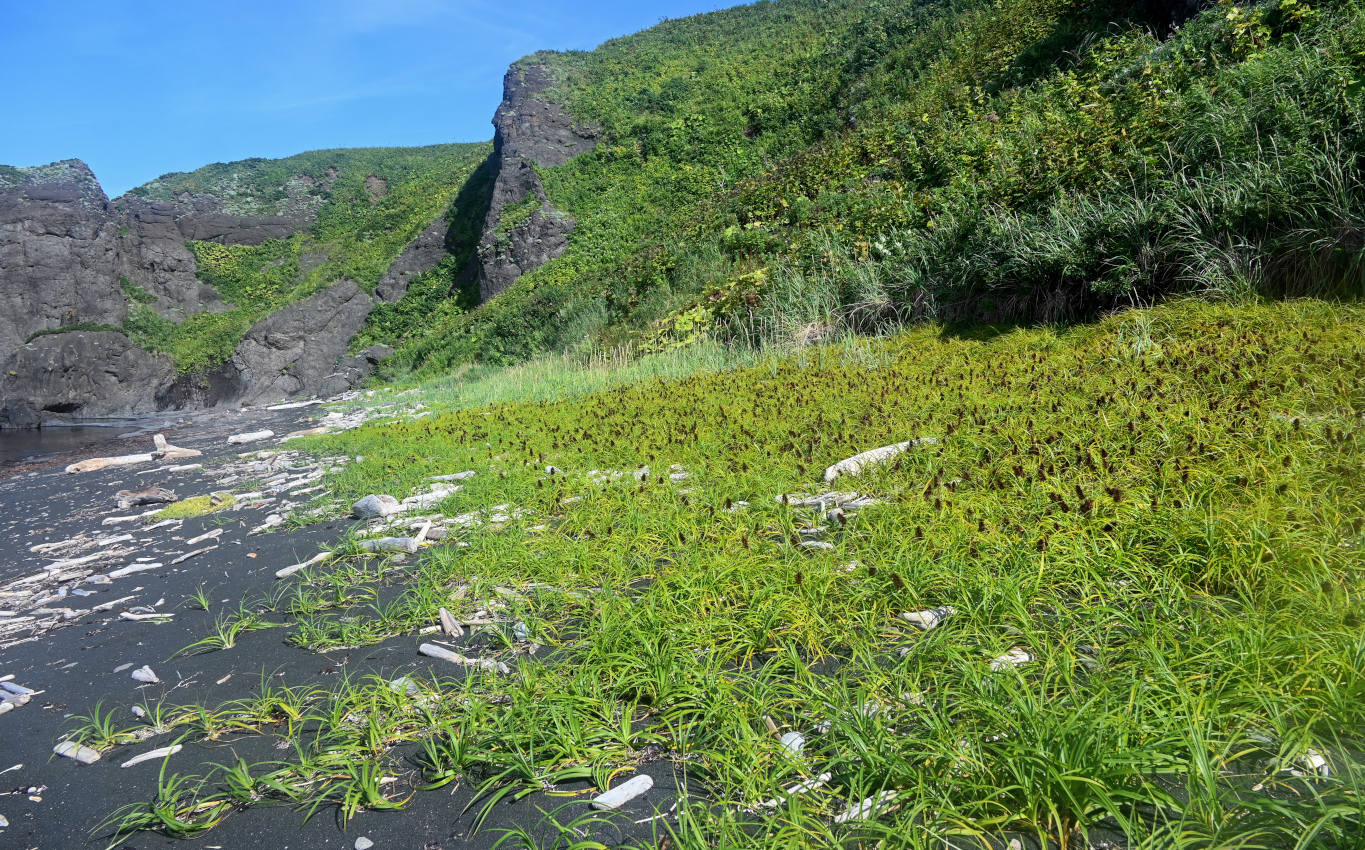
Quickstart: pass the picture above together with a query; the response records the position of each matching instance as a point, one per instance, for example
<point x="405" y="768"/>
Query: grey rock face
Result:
<point x="530" y="131"/>
<point x="421" y="255"/>
<point x="296" y="349"/>
<point x="81" y="373"/>
<point x="58" y="253"/>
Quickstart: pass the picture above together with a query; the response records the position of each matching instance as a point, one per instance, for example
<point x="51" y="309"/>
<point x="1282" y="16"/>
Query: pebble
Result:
<point x="363" y="843"/>
<point x="145" y="675"/>
<point x="4" y="822"/>
<point x="623" y="793"/>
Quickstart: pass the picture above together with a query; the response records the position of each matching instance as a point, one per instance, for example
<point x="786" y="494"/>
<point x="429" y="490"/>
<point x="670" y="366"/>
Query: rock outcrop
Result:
<point x="421" y="256"/>
<point x="530" y="131"/>
<point x="295" y="350"/>
<point x="59" y="254"/>
<point x="91" y="373"/>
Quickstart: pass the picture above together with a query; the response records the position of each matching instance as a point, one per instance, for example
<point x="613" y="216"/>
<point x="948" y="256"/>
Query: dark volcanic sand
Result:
<point x="73" y="667"/>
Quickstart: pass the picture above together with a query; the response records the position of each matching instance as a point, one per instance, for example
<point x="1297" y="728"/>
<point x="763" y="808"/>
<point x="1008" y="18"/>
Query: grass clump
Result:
<point x="1161" y="512"/>
<point x="195" y="506"/>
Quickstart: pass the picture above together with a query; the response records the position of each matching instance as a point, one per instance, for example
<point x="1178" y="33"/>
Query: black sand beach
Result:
<point x="86" y="661"/>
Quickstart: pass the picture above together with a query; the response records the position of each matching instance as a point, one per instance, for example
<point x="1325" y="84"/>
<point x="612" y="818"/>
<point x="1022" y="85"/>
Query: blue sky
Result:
<point x="140" y="89"/>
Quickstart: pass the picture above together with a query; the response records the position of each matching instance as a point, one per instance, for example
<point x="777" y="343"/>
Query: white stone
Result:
<point x="145" y="675"/>
<point x="793" y="743"/>
<point x="623" y="793"/>
<point x="363" y="843"/>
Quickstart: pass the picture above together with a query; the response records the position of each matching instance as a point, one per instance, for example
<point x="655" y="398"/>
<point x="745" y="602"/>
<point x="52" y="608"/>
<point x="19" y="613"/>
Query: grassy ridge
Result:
<point x="885" y="161"/>
<point x="361" y="228"/>
<point x="1163" y="511"/>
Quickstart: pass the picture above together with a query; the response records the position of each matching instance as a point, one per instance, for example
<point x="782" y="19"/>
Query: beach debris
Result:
<point x="375" y="505"/>
<point x="363" y="843"/>
<point x="623" y="793"/>
<point x="294" y="405"/>
<point x="404" y="685"/>
<point x="930" y="618"/>
<point x="448" y="623"/>
<point x="456" y="476"/>
<point x="426" y="500"/>
<point x="1312" y="763"/>
<point x="272" y="521"/>
<point x="151" y="496"/>
<point x="210" y="535"/>
<point x="250" y="437"/>
<point x="290" y="570"/>
<point x="163" y="450"/>
<point x="1014" y="658"/>
<point x="391" y="544"/>
<point x="73" y="750"/>
<point x="158" y="615"/>
<point x="866" y="809"/>
<point x="152" y="755"/>
<point x="185" y="557"/>
<point x="799" y="788"/>
<point x="855" y="465"/>
<point x="431" y="650"/>
<point x="134" y="568"/>
<point x="819" y="545"/>
<point x="793" y="743"/>
<point x="145" y="675"/>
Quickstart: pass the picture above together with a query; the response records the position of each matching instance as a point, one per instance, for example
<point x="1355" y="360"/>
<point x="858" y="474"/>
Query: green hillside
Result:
<point x="865" y="162"/>
<point x="369" y="202"/>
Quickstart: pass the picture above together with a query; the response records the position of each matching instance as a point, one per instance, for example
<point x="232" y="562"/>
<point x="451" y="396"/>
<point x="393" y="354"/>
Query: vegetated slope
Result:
<point x="871" y="161"/>
<point x="364" y="206"/>
<point x="1160" y="513"/>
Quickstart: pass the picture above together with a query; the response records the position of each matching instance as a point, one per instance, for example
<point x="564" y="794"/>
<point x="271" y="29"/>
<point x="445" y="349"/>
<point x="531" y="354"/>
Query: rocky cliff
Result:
<point x="522" y="230"/>
<point x="70" y="259"/>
